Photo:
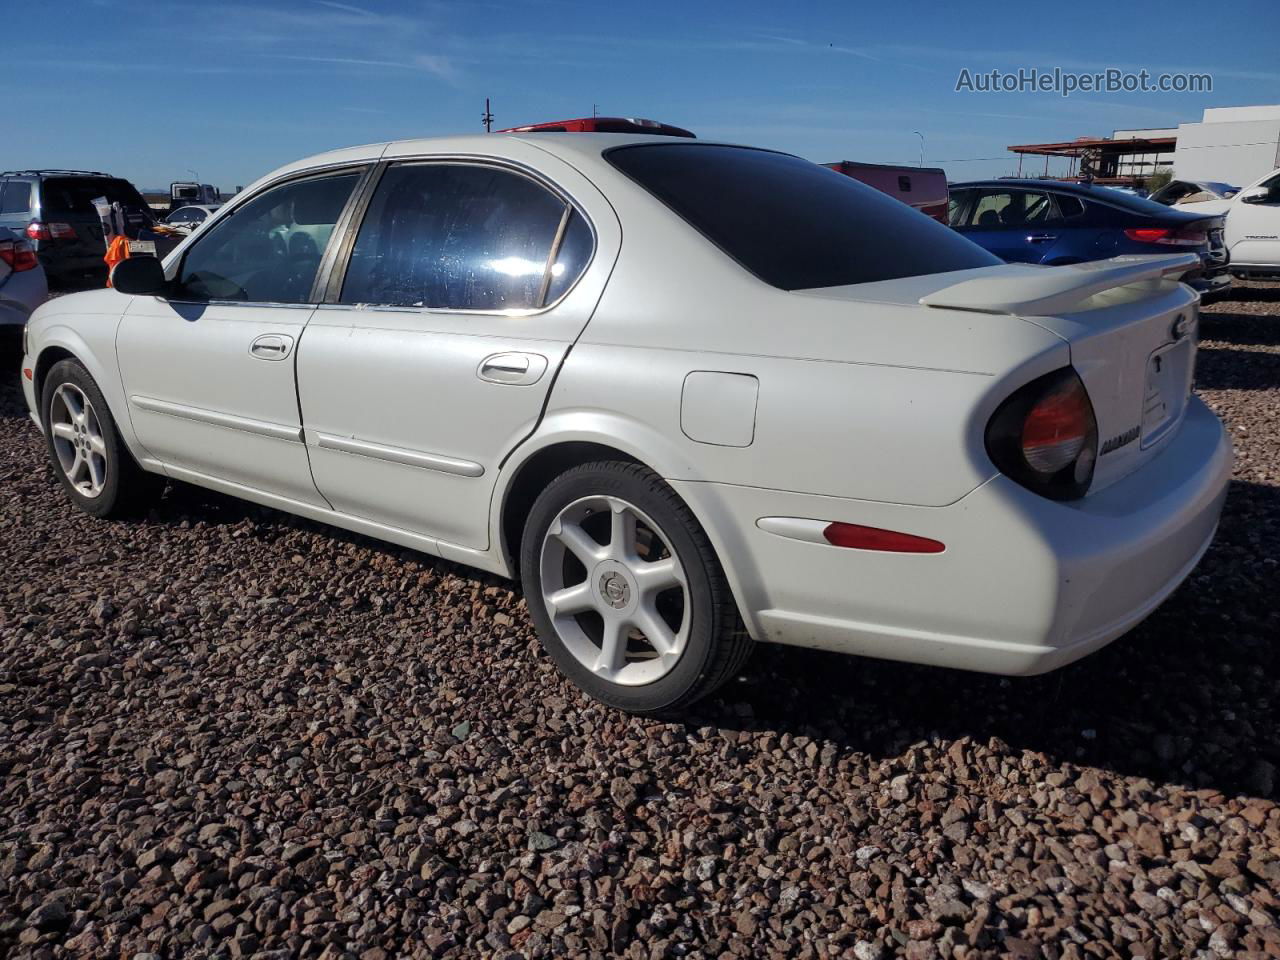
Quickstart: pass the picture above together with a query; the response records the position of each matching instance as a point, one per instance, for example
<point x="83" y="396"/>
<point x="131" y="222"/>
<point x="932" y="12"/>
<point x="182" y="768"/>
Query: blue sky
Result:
<point x="152" y="90"/>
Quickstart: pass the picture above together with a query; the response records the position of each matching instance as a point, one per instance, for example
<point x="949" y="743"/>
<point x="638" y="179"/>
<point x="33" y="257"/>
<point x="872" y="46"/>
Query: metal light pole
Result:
<point x="921" y="136"/>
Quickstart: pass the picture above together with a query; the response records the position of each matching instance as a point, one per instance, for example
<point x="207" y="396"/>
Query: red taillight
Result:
<point x="18" y="255"/>
<point x="857" y="536"/>
<point x="1057" y="428"/>
<point x="50" y="231"/>
<point x="1045" y="436"/>
<point x="1186" y="237"/>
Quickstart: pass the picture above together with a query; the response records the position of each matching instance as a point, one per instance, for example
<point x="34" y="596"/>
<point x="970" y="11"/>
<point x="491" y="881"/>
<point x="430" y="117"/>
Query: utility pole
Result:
<point x="921" y="136"/>
<point x="594" y="111"/>
<point x="487" y="119"/>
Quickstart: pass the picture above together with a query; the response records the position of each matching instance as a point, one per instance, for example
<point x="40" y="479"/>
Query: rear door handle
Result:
<point x="1041" y="238"/>
<point x="516" y="369"/>
<point x="271" y="346"/>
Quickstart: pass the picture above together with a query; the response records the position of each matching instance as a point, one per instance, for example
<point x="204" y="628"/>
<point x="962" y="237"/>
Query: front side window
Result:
<point x="269" y="249"/>
<point x="792" y="223"/>
<point x="1273" y="189"/>
<point x="462" y="237"/>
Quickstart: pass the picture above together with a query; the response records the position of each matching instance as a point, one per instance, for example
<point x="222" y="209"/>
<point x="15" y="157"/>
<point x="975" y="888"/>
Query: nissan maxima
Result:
<point x="692" y="395"/>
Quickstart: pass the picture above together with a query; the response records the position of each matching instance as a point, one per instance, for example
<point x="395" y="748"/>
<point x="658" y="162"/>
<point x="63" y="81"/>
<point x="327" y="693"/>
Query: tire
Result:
<point x="107" y="480"/>
<point x="660" y="602"/>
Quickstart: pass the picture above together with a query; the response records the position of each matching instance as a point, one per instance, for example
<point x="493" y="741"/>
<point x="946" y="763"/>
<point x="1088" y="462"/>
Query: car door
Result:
<point x="209" y="369"/>
<point x="984" y="222"/>
<point x="467" y="282"/>
<point x="1253" y="228"/>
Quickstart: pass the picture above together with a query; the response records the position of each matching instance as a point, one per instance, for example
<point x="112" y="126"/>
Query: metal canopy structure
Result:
<point x="1103" y="160"/>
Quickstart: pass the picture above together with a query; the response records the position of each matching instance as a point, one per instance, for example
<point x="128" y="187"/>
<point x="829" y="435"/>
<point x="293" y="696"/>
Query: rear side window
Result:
<point x="15" y="196"/>
<point x="75" y="195"/>
<point x="462" y="237"/>
<point x="1069" y="206"/>
<point x="792" y="223"/>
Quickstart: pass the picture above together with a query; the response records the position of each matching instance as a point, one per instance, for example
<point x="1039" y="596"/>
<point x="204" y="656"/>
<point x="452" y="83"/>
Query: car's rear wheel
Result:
<point x="626" y="591"/>
<point x="95" y="467"/>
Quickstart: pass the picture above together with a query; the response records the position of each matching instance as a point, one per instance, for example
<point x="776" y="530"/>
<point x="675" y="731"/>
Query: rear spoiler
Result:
<point x="1040" y="291"/>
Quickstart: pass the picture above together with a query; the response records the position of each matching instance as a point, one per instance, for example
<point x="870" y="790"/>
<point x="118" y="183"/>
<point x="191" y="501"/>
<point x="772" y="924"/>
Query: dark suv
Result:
<point x="54" y="210"/>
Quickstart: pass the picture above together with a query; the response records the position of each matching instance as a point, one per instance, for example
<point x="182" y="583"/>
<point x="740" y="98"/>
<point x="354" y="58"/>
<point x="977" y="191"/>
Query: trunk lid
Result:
<point x="1132" y="335"/>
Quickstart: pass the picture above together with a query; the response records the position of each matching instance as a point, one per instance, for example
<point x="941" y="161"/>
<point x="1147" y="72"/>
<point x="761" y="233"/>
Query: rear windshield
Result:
<point x="792" y="223"/>
<point x="67" y="195"/>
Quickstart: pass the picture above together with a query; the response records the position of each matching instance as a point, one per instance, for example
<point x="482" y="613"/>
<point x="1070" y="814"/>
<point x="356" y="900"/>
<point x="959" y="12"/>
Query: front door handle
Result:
<point x="516" y="369"/>
<point x="271" y="346"/>
<point x="1041" y="238"/>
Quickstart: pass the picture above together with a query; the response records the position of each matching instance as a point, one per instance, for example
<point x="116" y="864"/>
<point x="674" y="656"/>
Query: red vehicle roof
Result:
<point x="602" y="125"/>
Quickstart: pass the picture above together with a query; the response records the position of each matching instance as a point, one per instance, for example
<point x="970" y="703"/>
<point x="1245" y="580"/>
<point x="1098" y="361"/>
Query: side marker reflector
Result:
<point x="26" y="372"/>
<point x="873" y="538"/>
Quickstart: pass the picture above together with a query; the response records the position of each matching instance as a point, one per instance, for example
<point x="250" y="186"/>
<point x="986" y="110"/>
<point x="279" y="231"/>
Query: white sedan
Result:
<point x="691" y="394"/>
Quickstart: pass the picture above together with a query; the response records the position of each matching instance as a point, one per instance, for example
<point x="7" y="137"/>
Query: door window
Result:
<point x="463" y="237"/>
<point x="998" y="209"/>
<point x="956" y="207"/>
<point x="268" y="250"/>
<point x="1273" y="189"/>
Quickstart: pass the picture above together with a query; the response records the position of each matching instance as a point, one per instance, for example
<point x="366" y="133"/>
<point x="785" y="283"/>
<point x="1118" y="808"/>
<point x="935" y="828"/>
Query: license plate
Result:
<point x="146" y="248"/>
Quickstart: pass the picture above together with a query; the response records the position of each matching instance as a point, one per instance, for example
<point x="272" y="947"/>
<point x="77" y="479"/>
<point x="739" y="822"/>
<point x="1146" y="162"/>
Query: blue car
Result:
<point x="1053" y="222"/>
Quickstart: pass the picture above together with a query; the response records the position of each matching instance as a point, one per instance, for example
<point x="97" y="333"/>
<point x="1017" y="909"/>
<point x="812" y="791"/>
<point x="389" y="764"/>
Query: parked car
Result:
<point x="22" y="281"/>
<point x="787" y="409"/>
<point x="184" y="193"/>
<point x="924" y="188"/>
<point x="1057" y="223"/>
<point x="1252" y="233"/>
<point x="1193" y="191"/>
<point x="190" y="217"/>
<point x="54" y="210"/>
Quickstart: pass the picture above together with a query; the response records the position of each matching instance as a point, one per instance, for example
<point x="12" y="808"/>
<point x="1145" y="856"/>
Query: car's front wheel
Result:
<point x="95" y="467"/>
<point x="626" y="592"/>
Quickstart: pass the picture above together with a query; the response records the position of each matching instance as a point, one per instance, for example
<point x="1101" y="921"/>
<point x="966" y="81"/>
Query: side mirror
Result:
<point x="1256" y="195"/>
<point x="139" y="276"/>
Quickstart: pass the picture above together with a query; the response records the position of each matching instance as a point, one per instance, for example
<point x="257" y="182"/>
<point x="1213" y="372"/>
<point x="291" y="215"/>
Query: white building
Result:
<point x="1235" y="145"/>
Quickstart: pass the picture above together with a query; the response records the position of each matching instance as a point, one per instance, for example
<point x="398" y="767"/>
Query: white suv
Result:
<point x="691" y="394"/>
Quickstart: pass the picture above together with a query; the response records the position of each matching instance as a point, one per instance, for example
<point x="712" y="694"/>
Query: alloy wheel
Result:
<point x="615" y="591"/>
<point x="78" y="440"/>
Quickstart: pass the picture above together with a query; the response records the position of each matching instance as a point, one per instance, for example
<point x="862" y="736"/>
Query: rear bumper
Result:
<point x="1025" y="584"/>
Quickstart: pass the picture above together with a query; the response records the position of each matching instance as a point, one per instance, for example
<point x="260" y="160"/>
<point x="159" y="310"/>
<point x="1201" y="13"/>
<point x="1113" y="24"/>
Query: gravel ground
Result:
<point x="228" y="732"/>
